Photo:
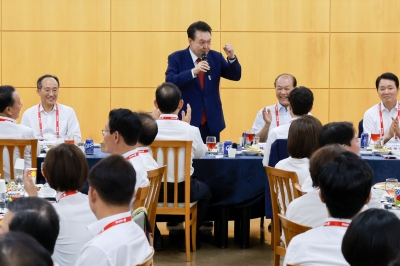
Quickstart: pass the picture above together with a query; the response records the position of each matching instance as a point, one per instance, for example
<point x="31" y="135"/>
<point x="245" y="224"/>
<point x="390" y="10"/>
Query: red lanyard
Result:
<point x="382" y="131"/>
<point x="57" y="122"/>
<point x="67" y="193"/>
<point x="168" y="118"/>
<point x="143" y="151"/>
<point x="335" y="223"/>
<point x="6" y="120"/>
<point x="133" y="155"/>
<point x="277" y="115"/>
<point x="116" y="222"/>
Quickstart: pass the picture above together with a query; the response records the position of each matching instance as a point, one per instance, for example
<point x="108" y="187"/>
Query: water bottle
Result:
<point x="3" y="191"/>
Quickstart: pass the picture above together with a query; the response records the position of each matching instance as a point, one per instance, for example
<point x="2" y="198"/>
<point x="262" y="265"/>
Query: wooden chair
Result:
<point x="155" y="176"/>
<point x="21" y="144"/>
<point x="186" y="208"/>
<point x="300" y="191"/>
<point x="149" y="260"/>
<point x="281" y="183"/>
<point x="141" y="195"/>
<point x="291" y="229"/>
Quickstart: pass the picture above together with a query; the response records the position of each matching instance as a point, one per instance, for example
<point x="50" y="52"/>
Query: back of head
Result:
<point x="336" y="132"/>
<point x="303" y="136"/>
<point x="127" y="123"/>
<point x="168" y="96"/>
<point x="301" y="100"/>
<point x="321" y="157"/>
<point x="40" y="79"/>
<point x="66" y="168"/>
<point x="20" y="249"/>
<point x="114" y="180"/>
<point x="345" y="185"/>
<point x="36" y="217"/>
<point x="197" y="26"/>
<point x="6" y="97"/>
<point x="149" y="129"/>
<point x="372" y="238"/>
<point x="389" y="76"/>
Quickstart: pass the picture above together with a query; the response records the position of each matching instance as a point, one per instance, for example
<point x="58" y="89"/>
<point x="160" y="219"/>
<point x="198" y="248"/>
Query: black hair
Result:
<point x="36" y="217"/>
<point x="149" y="129"/>
<point x="337" y="132"/>
<point x="372" y="238"/>
<point x="114" y="179"/>
<point x="197" y="26"/>
<point x="167" y="97"/>
<point x="345" y="184"/>
<point x="127" y="123"/>
<point x="6" y="97"/>
<point x="39" y="81"/>
<point x="301" y="100"/>
<point x="389" y="76"/>
<point x="285" y="74"/>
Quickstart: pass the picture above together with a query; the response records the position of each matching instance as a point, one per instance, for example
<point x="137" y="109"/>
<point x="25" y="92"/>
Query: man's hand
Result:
<point x="155" y="113"/>
<point x="188" y="116"/>
<point x="267" y="116"/>
<point x="395" y="125"/>
<point x="201" y="66"/>
<point x="29" y="186"/>
<point x="228" y="48"/>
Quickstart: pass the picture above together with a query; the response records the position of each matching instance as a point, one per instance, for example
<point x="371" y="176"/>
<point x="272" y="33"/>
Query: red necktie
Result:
<point x="200" y="76"/>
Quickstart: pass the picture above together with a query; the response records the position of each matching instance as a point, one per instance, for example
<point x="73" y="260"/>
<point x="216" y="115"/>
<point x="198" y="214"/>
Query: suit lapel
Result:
<point x="190" y="65"/>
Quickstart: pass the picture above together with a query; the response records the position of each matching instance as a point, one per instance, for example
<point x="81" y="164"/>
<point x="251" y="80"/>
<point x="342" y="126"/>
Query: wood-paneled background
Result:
<point x="113" y="53"/>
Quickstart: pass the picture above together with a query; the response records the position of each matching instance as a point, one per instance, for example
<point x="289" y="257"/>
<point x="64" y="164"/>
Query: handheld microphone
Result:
<point x="204" y="58"/>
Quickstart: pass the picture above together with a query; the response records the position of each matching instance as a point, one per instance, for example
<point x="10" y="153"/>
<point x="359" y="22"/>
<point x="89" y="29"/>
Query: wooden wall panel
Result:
<point x="60" y="15"/>
<point x="136" y="99"/>
<point x="140" y="59"/>
<point x="158" y="15"/>
<point x="321" y="105"/>
<point x="365" y="16"/>
<point x="357" y="59"/>
<point x="264" y="56"/>
<point x="275" y="15"/>
<point x="79" y="59"/>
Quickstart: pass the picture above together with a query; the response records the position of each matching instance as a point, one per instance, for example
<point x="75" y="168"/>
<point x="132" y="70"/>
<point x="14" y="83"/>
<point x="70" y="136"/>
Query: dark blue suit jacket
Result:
<point x="179" y="72"/>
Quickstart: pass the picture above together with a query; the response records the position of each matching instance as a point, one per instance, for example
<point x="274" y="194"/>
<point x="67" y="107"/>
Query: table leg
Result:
<point x="221" y="236"/>
<point x="245" y="227"/>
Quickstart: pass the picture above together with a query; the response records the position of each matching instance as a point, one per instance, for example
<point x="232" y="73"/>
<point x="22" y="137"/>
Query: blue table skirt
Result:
<point x="383" y="168"/>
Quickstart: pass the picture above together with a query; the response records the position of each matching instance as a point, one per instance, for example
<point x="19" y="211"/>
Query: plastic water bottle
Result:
<point x="3" y="191"/>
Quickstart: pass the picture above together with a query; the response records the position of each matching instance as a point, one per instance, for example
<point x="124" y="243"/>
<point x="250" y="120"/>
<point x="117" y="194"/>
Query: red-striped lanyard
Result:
<point x="168" y="118"/>
<point x="335" y="223"/>
<point x="382" y="132"/>
<point x="277" y="115"/>
<point x="67" y="193"/>
<point x="6" y="120"/>
<point x="116" y="222"/>
<point x="57" y="122"/>
<point x="133" y="155"/>
<point x="143" y="151"/>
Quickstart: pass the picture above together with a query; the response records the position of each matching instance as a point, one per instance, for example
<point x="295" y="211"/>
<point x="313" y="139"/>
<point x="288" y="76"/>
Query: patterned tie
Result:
<point x="200" y="76"/>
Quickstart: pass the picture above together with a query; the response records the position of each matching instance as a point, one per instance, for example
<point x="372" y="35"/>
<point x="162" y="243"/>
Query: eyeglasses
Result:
<point x="103" y="131"/>
<point x="48" y="91"/>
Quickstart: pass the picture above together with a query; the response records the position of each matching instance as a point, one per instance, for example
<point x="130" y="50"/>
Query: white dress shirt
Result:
<point x="124" y="244"/>
<point x="147" y="158"/>
<point x="179" y="130"/>
<point x="140" y="169"/>
<point x="283" y="113"/>
<point x="300" y="166"/>
<point x="372" y="124"/>
<point x="318" y="246"/>
<point x="68" y="122"/>
<point x="9" y="129"/>
<point x="75" y="216"/>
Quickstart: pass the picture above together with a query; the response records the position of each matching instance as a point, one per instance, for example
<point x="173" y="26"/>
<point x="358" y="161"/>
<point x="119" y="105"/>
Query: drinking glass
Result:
<point x="375" y="138"/>
<point x="211" y="142"/>
<point x="390" y="184"/>
<point x="250" y="137"/>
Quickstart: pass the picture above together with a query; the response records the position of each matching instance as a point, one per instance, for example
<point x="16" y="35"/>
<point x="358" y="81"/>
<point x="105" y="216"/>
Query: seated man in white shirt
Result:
<point x="117" y="239"/>
<point x="121" y="134"/>
<point x="345" y="186"/>
<point x="387" y="111"/>
<point x="301" y="101"/>
<point x="147" y="136"/>
<point x="169" y="102"/>
<point x="278" y="114"/>
<point x="10" y="106"/>
<point x="49" y="119"/>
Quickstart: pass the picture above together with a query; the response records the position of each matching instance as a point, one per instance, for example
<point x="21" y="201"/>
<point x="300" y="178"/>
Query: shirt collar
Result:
<point x="330" y="219"/>
<point x="143" y="148"/>
<point x="8" y="118"/>
<point x="58" y="195"/>
<point x="168" y="115"/>
<point x="96" y="227"/>
<point x="42" y="109"/>
<point x="194" y="57"/>
<point x="395" y="107"/>
<point x="280" y="106"/>
<point x="126" y="154"/>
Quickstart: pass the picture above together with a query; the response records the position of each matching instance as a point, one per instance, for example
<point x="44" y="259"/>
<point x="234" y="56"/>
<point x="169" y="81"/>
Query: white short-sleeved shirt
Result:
<point x="124" y="244"/>
<point x="147" y="158"/>
<point x="283" y="113"/>
<point x="9" y="129"/>
<point x="318" y="246"/>
<point x="300" y="166"/>
<point x="75" y="216"/>
<point x="140" y="169"/>
<point x="68" y="122"/>
<point x="371" y="121"/>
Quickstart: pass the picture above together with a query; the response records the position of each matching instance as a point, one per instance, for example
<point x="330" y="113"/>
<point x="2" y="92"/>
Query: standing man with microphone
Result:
<point x="197" y="71"/>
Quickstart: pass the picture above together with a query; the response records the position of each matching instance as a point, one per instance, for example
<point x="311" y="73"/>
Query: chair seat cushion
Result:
<point x="180" y="204"/>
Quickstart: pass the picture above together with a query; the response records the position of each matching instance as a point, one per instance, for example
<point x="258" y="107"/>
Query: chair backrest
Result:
<point x="291" y="229"/>
<point x="155" y="177"/>
<point x="21" y="144"/>
<point x="141" y="195"/>
<point x="278" y="152"/>
<point x="149" y="260"/>
<point x="175" y="146"/>
<point x="300" y="191"/>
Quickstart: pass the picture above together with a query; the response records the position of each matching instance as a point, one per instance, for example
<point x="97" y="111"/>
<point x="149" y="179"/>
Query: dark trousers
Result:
<point x="205" y="132"/>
